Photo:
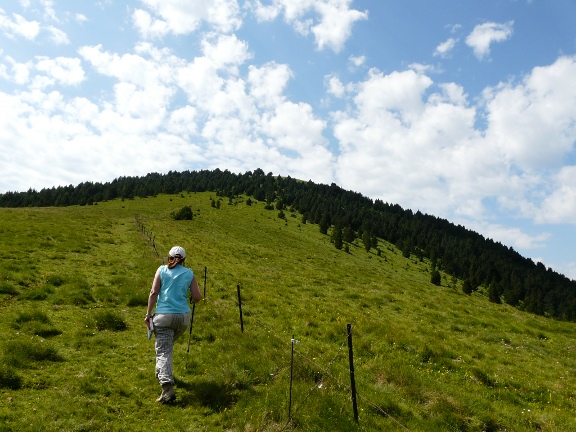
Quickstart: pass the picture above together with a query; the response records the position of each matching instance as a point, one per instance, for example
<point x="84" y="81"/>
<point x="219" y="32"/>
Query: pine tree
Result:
<point x="337" y="238"/>
<point x="367" y="240"/>
<point x="436" y="277"/>
<point x="324" y="225"/>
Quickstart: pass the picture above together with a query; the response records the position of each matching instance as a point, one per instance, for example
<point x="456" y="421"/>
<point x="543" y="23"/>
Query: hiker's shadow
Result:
<point x="215" y="396"/>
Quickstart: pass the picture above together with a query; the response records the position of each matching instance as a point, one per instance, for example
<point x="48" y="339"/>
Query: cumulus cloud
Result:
<point x="61" y="70"/>
<point x="228" y="119"/>
<point x="334" y="86"/>
<point x="395" y="132"/>
<point x="484" y="35"/>
<point x="147" y="26"/>
<point x="18" y="26"/>
<point x="534" y="122"/>
<point x="560" y="205"/>
<point x="184" y="17"/>
<point x="331" y="26"/>
<point x="404" y="126"/>
<point x="18" y="73"/>
<point x="267" y="83"/>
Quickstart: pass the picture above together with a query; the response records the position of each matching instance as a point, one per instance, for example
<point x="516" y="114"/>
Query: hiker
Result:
<point x="169" y="293"/>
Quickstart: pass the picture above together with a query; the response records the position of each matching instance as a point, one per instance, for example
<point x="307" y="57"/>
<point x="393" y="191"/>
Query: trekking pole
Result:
<point x="190" y="334"/>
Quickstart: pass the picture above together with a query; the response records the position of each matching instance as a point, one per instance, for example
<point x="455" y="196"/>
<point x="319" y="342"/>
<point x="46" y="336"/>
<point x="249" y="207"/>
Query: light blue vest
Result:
<point x="174" y="290"/>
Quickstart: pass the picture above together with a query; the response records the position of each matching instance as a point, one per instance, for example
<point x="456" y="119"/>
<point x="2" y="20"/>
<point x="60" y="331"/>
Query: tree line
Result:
<point x="506" y="275"/>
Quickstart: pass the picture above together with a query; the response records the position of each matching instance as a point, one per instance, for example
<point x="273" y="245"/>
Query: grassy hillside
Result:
<point x="73" y="287"/>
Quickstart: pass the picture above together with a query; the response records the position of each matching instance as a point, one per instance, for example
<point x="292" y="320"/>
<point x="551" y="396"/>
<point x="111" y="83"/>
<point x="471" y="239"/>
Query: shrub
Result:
<point x="185" y="213"/>
<point x="108" y="320"/>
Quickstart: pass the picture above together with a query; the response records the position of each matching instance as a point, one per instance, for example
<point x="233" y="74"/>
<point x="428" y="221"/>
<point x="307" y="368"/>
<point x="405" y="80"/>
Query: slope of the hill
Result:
<point x="74" y="282"/>
<point x="506" y="275"/>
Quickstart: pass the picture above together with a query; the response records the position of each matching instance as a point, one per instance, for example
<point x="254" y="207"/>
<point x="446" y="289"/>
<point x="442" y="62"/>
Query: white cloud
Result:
<point x="534" y="122"/>
<point x="432" y="145"/>
<point x="424" y="68"/>
<point x="57" y="36"/>
<point x="81" y="18"/>
<point x="147" y="26"/>
<point x="267" y="83"/>
<point x="403" y="126"/>
<point x="204" y="77"/>
<point x="560" y="205"/>
<point x="18" y="26"/>
<point x="61" y="70"/>
<point x="20" y="71"/>
<point x="145" y="70"/>
<point x="49" y="12"/>
<point x="445" y="47"/>
<point x="394" y="133"/>
<point x="454" y="28"/>
<point x="182" y="122"/>
<point x="332" y="26"/>
<point x="484" y="35"/>
<point x="335" y="26"/>
<point x="356" y="61"/>
<point x="229" y="120"/>
<point x="294" y="127"/>
<point x="511" y="236"/>
<point x="334" y="86"/>
<point x="225" y="51"/>
<point x="184" y="16"/>
<point x="569" y="269"/>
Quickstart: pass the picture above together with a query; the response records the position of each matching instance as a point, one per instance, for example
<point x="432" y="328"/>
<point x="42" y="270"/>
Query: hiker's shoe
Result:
<point x="167" y="394"/>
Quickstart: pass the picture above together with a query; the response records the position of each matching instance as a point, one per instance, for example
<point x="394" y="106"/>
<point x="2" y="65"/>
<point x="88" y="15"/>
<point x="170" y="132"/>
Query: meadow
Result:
<point x="74" y="282"/>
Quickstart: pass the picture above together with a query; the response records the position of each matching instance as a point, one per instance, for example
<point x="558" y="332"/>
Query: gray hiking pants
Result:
<point x="167" y="328"/>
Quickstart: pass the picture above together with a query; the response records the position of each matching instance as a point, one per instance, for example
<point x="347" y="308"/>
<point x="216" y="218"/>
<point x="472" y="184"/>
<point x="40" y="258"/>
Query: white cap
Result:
<point x="177" y="251"/>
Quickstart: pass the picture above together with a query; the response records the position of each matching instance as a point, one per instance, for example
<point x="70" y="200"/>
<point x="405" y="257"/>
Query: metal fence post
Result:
<point x="352" y="380"/>
<point x="240" y="306"/>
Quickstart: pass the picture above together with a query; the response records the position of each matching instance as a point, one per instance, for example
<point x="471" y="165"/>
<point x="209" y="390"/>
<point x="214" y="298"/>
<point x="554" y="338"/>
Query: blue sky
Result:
<point x="463" y="109"/>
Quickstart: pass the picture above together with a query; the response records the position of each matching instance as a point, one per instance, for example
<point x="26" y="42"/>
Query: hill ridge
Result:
<point x="504" y="273"/>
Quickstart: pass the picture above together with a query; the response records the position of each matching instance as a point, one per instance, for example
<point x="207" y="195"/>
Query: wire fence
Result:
<point x="333" y="368"/>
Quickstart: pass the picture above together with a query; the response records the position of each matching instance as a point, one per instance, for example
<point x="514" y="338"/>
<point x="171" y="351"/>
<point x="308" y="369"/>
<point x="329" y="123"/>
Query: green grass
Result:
<point x="73" y="288"/>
